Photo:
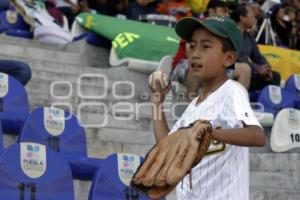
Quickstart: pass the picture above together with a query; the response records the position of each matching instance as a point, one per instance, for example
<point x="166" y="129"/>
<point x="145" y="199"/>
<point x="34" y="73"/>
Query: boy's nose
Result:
<point x="196" y="53"/>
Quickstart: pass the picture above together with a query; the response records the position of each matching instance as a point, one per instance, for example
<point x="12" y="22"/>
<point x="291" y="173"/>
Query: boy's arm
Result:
<point x="248" y="136"/>
<point x="160" y="125"/>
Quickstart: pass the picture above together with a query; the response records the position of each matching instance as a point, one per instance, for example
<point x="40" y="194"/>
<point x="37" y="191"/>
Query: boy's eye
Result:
<point x="206" y="46"/>
<point x="191" y="46"/>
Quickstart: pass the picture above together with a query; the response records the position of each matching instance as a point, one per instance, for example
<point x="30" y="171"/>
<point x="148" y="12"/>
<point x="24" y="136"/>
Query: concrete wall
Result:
<point x="273" y="176"/>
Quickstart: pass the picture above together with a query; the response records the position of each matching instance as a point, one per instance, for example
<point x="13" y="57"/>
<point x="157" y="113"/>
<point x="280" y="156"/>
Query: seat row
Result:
<point x="51" y="152"/>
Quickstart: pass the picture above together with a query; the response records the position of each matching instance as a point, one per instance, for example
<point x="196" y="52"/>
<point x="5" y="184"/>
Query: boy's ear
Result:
<point x="231" y="58"/>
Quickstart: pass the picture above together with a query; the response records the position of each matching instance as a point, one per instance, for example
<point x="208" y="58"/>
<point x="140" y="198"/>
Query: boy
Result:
<point x="223" y="173"/>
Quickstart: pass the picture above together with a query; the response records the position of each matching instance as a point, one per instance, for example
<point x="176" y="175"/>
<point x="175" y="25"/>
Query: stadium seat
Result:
<point x="264" y="118"/>
<point x="4" y="4"/>
<point x="113" y="177"/>
<point x="61" y="131"/>
<point x="14" y="107"/>
<point x="285" y="134"/>
<point x="30" y="171"/>
<point x="13" y="24"/>
<point x="19" y="33"/>
<point x="292" y="85"/>
<point x="253" y="95"/>
<point x="1" y="140"/>
<point x="273" y="99"/>
<point x="98" y="40"/>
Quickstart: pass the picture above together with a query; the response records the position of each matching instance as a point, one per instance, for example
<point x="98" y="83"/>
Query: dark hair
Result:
<point x="240" y="10"/>
<point x="226" y="45"/>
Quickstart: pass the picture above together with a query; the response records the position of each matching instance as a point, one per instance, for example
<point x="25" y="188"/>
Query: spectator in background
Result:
<point x="19" y="70"/>
<point x="281" y="27"/>
<point x="291" y="18"/>
<point x="54" y="12"/>
<point x="140" y="8"/>
<point x="261" y="72"/>
<point x="295" y="4"/>
<point x="176" y="8"/>
<point x="69" y="9"/>
<point x="298" y="29"/>
<point x="116" y="7"/>
<point x="106" y="7"/>
<point x="217" y="7"/>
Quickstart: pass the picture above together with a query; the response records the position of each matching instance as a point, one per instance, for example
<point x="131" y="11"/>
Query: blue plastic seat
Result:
<point x="111" y="181"/>
<point x="98" y="40"/>
<point x="273" y="99"/>
<point x="30" y="171"/>
<point x="14" y="107"/>
<point x="292" y="85"/>
<point x="61" y="131"/>
<point x="20" y="33"/>
<point x="253" y="95"/>
<point x="15" y="26"/>
<point x="1" y="140"/>
<point x="4" y="4"/>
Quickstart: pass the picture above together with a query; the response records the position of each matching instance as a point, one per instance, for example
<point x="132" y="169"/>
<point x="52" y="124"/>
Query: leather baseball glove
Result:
<point x="171" y="159"/>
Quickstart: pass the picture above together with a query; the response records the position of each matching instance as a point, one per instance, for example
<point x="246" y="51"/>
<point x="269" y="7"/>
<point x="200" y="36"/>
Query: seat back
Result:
<point x="292" y="85"/>
<point x="4" y="4"/>
<point x="31" y="171"/>
<point x="57" y="129"/>
<point x="11" y="20"/>
<point x="14" y="107"/>
<point x="1" y="139"/>
<point x="273" y="99"/>
<point x="112" y="179"/>
<point x="285" y="134"/>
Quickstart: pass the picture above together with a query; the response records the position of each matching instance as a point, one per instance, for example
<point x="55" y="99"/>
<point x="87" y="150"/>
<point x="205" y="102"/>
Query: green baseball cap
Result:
<point x="218" y="25"/>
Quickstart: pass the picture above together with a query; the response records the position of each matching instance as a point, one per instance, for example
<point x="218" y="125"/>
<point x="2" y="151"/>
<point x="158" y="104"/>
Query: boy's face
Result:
<point x="206" y="58"/>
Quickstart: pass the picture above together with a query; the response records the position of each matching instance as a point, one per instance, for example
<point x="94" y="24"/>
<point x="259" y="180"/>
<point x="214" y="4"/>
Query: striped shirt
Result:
<point x="223" y="174"/>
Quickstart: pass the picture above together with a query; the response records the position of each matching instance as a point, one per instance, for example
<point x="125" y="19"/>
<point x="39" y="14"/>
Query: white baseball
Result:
<point x="162" y="77"/>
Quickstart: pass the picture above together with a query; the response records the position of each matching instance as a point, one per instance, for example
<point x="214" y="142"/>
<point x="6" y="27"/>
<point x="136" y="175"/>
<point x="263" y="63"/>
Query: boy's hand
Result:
<point x="171" y="159"/>
<point x="158" y="96"/>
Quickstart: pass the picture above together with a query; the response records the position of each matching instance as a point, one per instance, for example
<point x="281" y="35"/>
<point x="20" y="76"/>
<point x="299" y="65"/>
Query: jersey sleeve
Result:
<point x="237" y="109"/>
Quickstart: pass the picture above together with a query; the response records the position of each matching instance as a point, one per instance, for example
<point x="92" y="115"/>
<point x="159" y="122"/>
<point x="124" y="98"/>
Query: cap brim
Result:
<point x="185" y="27"/>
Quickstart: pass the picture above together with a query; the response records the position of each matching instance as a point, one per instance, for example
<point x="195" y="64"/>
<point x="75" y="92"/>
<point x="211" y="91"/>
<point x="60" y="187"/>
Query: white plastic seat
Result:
<point x="264" y="118"/>
<point x="285" y="134"/>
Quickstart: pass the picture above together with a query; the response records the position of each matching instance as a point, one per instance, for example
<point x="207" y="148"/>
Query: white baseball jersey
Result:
<point x="223" y="174"/>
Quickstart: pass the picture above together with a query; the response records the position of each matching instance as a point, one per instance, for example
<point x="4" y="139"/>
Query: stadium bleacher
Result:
<point x="61" y="131"/>
<point x="33" y="171"/>
<point x="109" y="176"/>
